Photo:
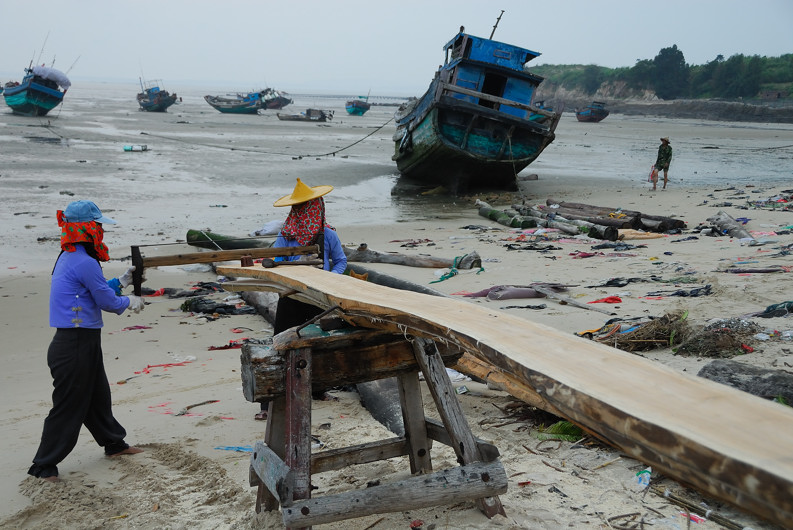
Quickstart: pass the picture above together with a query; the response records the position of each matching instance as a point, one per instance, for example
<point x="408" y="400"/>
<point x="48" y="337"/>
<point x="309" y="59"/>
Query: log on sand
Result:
<point x="606" y="211"/>
<point x="728" y="444"/>
<point x="728" y="225"/>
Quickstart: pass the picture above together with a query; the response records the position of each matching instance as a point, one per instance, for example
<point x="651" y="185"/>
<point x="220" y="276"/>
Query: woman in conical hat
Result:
<point x="305" y="225"/>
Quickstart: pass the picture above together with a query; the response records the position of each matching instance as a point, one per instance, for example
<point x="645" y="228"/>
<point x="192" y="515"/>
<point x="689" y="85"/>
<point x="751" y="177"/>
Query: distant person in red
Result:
<point x="78" y="295"/>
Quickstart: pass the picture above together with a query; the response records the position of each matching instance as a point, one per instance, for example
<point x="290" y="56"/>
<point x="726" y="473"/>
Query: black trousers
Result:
<point x="80" y="396"/>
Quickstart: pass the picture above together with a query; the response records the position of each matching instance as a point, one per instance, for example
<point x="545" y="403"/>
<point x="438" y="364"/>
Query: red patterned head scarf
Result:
<point x="304" y="221"/>
<point x="88" y="232"/>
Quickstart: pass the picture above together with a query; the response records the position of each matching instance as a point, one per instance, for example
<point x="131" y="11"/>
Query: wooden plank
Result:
<point x="451" y="413"/>
<point x="413" y="421"/>
<point x="298" y="420"/>
<point x="225" y="255"/>
<point x="449" y="486"/>
<point x="727" y="443"/>
<point x="275" y="438"/>
<point x="263" y="376"/>
<point x="334" y="459"/>
<point x="273" y="472"/>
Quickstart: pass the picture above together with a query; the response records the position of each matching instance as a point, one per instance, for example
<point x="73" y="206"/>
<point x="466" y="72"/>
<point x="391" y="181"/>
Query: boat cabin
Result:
<point x="490" y="67"/>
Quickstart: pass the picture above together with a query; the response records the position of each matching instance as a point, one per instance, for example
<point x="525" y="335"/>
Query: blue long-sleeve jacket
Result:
<point x="333" y="252"/>
<point x="79" y="292"/>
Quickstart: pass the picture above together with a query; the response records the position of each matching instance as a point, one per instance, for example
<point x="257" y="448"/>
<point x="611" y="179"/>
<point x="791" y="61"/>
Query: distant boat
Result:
<point x="152" y="98"/>
<point x="38" y="93"/>
<point x="476" y="125"/>
<point x="249" y="103"/>
<point x="594" y="112"/>
<point x="315" y="115"/>
<point x="274" y="99"/>
<point x="358" y="107"/>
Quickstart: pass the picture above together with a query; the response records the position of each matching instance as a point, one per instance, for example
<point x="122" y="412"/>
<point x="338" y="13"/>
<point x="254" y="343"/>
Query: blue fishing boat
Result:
<point x="592" y="113"/>
<point x="41" y="90"/>
<point x="249" y="103"/>
<point x="358" y="107"/>
<point x="152" y="98"/>
<point x="476" y="125"/>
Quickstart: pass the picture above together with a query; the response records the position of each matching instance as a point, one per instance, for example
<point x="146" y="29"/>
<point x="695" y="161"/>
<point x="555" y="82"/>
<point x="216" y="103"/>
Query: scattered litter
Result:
<point x="237" y="448"/>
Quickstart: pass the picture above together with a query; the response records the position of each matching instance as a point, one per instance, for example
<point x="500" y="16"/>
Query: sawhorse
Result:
<point x="282" y="464"/>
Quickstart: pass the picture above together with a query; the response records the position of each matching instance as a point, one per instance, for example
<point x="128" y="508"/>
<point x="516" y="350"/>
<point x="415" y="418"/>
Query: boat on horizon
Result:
<point x="41" y="90"/>
<point x="594" y="112"/>
<point x="152" y="98"/>
<point x="358" y="107"/>
<point x="476" y="125"/>
<point x="249" y="103"/>
<point x="315" y="115"/>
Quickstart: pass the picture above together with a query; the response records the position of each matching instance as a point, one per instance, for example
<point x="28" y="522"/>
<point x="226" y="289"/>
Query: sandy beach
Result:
<point x="205" y="170"/>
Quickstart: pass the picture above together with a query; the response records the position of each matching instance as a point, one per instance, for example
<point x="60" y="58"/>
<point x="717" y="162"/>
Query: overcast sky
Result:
<point x="349" y="46"/>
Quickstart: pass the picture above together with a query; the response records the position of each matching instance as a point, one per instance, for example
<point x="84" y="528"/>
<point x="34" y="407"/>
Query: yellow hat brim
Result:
<point x="303" y="193"/>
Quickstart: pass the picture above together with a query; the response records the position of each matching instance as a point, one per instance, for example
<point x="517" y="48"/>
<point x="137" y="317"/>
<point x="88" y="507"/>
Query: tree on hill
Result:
<point x="670" y="77"/>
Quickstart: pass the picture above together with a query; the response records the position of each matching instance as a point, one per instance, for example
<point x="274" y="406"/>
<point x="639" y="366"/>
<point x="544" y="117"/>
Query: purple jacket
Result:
<point x="79" y="292"/>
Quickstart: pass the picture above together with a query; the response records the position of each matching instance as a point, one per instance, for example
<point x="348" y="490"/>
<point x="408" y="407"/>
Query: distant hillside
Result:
<point x="575" y="86"/>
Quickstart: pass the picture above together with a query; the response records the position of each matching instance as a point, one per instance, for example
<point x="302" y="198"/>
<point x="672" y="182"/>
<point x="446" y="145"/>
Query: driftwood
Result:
<point x="566" y="300"/>
<point x="728" y="225"/>
<point x="596" y="231"/>
<point x="363" y="254"/>
<point x="729" y="444"/>
<point x="605" y="211"/>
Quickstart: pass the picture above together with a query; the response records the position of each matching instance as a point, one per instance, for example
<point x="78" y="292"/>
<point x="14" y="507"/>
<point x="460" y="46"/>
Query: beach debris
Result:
<point x="694" y="292"/>
<point x="719" y="338"/>
<point x="766" y="383"/>
<point x="136" y="148"/>
<point x="781" y="309"/>
<point x="509" y="292"/>
<point x="237" y="448"/>
<point x="188" y="407"/>
<point x="641" y="335"/>
<point x="201" y="304"/>
<point x="727" y="225"/>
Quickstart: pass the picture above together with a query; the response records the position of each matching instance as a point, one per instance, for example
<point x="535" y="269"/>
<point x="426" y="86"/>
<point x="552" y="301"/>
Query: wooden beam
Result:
<point x="728" y="444"/>
<point x="334" y="459"/>
<point x="273" y="473"/>
<point x="449" y="486"/>
<point x="225" y="255"/>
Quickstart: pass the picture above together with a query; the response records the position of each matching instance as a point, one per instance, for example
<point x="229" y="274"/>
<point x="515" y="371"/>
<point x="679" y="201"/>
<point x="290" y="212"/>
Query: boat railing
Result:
<point x="494" y="99"/>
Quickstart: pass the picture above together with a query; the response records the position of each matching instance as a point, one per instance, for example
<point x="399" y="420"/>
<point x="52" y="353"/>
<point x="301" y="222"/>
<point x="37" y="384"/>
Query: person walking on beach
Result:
<point x="663" y="161"/>
<point x="305" y="225"/>
<point x="78" y="295"/>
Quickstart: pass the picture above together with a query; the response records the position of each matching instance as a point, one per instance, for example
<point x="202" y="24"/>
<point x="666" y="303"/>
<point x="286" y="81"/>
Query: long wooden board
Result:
<point x="727" y="443"/>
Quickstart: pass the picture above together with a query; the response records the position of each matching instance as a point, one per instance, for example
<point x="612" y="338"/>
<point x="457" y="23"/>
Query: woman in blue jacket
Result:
<point x="78" y="295"/>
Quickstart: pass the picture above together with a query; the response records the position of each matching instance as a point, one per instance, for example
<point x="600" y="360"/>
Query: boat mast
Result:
<point x="496" y="24"/>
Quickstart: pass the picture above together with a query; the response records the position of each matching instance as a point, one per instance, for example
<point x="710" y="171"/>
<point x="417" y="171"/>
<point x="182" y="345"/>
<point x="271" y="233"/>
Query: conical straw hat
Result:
<point x="302" y="193"/>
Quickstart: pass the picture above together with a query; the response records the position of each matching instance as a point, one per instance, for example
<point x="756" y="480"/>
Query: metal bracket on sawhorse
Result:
<point x="282" y="464"/>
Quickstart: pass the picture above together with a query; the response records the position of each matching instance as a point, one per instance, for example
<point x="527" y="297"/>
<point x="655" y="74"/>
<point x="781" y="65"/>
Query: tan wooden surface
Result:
<point x="727" y="443"/>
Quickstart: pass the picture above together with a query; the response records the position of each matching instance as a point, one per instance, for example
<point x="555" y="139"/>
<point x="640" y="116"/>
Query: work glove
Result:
<point x="126" y="278"/>
<point x="135" y="303"/>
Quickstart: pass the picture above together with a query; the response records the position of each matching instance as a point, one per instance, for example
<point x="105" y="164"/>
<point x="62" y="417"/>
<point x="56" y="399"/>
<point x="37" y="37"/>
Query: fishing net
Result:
<point x="722" y="338"/>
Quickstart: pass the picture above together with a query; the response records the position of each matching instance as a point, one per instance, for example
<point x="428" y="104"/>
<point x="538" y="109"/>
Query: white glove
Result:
<point x="135" y="303"/>
<point x="126" y="278"/>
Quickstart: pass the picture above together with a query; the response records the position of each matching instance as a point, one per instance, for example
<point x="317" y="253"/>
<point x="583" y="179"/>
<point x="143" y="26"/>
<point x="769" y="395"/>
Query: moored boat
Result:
<point x="275" y="99"/>
<point x="152" y="98"/>
<point x="592" y="113"/>
<point x="41" y="90"/>
<point x="315" y="115"/>
<point x="358" y="107"/>
<point x="476" y="125"/>
<point x="249" y="103"/>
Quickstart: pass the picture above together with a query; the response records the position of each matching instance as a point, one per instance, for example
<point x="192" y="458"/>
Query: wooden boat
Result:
<point x="315" y="115"/>
<point x="592" y="113"/>
<point x="41" y="90"/>
<point x="358" y="107"/>
<point x="152" y="98"/>
<point x="476" y="125"/>
<point x="215" y="241"/>
<point x="274" y="99"/>
<point x="249" y="103"/>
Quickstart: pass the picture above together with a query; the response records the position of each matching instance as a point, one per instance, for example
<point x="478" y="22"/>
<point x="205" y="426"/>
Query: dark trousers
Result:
<point x="80" y="396"/>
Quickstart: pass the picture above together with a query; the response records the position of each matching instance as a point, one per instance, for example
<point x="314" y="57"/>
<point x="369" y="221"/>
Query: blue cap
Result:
<point x="85" y="211"/>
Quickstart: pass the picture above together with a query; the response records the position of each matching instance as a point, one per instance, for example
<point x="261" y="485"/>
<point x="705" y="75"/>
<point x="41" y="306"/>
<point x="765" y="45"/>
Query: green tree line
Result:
<point x="669" y="76"/>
